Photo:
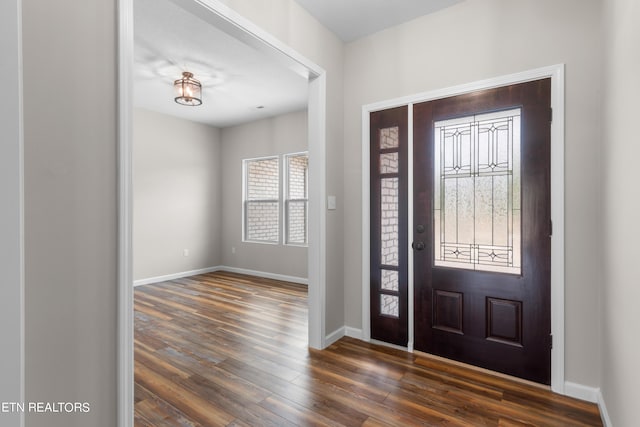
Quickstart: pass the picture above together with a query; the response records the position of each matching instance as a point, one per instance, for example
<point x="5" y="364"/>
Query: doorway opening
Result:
<point x="223" y="18"/>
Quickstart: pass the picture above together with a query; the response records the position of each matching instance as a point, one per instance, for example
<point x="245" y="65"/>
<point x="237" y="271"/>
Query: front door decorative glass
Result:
<point x="476" y="218"/>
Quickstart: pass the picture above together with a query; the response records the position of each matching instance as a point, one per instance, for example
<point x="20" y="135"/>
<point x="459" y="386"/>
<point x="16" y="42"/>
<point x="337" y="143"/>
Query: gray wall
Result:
<point x="11" y="258"/>
<point x="188" y="194"/>
<point x="177" y="193"/>
<point x="621" y="204"/>
<point x="479" y="39"/>
<point x="275" y="136"/>
<point x="70" y="208"/>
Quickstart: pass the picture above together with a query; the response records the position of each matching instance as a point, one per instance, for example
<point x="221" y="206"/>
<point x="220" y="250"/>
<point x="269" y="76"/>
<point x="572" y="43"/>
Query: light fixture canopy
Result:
<point x="188" y="90"/>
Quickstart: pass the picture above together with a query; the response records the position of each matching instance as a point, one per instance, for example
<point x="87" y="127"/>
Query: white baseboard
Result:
<point x="266" y="275"/>
<point x="334" y="336"/>
<point x="285" y="278"/>
<point x="174" y="276"/>
<point x="582" y="392"/>
<point x="344" y="331"/>
<point x="606" y="421"/>
<point x="590" y="394"/>
<point x="353" y="332"/>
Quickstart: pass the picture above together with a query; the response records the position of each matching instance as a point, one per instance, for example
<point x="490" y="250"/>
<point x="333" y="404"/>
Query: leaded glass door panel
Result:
<point x="482" y="229"/>
<point x="389" y="232"/>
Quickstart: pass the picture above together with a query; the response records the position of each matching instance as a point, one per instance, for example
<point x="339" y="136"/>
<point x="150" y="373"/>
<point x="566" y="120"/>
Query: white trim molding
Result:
<point x="125" y="214"/>
<point x="344" y="331"/>
<point x="317" y="248"/>
<point x="334" y="336"/>
<point x="353" y="332"/>
<point x="263" y="274"/>
<point x="410" y="225"/>
<point x="589" y="394"/>
<point x="12" y="323"/>
<point x="582" y="392"/>
<point x="366" y="224"/>
<point x="173" y="276"/>
<point x="604" y="414"/>
<point x="216" y="13"/>
<point x="556" y="73"/>
<point x="557" y="218"/>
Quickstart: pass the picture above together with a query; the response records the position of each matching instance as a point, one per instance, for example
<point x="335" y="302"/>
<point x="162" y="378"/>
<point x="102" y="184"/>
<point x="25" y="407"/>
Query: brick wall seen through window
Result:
<point x="262" y="200"/>
<point x="296" y="202"/>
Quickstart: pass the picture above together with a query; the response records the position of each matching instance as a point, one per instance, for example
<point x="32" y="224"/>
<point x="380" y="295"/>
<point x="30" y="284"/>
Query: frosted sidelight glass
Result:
<point x="389" y="162"/>
<point x="389" y="280"/>
<point x="477" y="192"/>
<point x="389" y="138"/>
<point x="389" y="305"/>
<point x="389" y="243"/>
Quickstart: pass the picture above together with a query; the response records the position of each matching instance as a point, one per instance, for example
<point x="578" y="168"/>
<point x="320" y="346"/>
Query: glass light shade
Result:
<point x="188" y="90"/>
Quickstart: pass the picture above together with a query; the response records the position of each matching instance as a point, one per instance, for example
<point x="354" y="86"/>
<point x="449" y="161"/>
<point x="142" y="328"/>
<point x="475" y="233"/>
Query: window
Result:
<point x="296" y="198"/>
<point x="261" y="200"/>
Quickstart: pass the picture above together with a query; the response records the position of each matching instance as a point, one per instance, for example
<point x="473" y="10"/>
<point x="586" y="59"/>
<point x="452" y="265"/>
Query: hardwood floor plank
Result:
<point x="160" y="364"/>
<point x="139" y="420"/>
<point x="448" y="404"/>
<point x="367" y="407"/>
<point x="237" y="405"/>
<point x="205" y="412"/>
<point x="357" y="384"/>
<point x="159" y="415"/>
<point x="372" y="422"/>
<point x="213" y="373"/>
<point x="297" y="414"/>
<point x="231" y="350"/>
<point x="505" y="422"/>
<point x="565" y="409"/>
<point x="322" y="402"/>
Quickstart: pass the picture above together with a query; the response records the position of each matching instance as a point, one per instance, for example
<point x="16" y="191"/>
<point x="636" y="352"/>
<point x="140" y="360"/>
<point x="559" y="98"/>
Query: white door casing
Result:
<point x="556" y="73"/>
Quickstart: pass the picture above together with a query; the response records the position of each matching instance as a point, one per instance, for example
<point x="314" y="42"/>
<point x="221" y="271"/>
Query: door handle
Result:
<point x="418" y="246"/>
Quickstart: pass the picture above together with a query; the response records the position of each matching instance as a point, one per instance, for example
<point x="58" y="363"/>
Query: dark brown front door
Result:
<point x="389" y="232"/>
<point x="482" y="229"/>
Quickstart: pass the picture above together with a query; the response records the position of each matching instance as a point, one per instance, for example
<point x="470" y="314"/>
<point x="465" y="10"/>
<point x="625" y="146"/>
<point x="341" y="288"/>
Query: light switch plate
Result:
<point x="331" y="203"/>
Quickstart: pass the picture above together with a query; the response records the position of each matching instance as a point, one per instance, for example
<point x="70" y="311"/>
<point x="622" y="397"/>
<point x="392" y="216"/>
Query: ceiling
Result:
<point x="240" y="83"/>
<point x="352" y="19"/>
<point x="236" y="78"/>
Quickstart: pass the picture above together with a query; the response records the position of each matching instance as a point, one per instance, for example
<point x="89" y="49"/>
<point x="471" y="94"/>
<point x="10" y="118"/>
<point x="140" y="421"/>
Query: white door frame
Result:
<point x="556" y="73"/>
<point x="12" y="212"/>
<point x="227" y="20"/>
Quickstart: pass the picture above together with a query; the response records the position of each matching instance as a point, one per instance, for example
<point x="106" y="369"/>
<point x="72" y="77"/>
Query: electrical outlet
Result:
<point x="233" y="249"/>
<point x="185" y="252"/>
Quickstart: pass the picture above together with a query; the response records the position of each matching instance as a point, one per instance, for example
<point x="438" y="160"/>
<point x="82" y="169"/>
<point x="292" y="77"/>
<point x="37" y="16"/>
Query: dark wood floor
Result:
<point x="231" y="350"/>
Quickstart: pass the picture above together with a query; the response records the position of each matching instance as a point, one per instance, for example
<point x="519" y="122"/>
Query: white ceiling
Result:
<point x="352" y="19"/>
<point x="236" y="78"/>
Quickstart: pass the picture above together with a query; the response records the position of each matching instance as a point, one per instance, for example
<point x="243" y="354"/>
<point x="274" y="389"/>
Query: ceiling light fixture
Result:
<point x="188" y="90"/>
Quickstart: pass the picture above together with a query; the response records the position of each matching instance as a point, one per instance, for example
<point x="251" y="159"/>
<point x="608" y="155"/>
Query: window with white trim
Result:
<point x="261" y="201"/>
<point x="296" y="199"/>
